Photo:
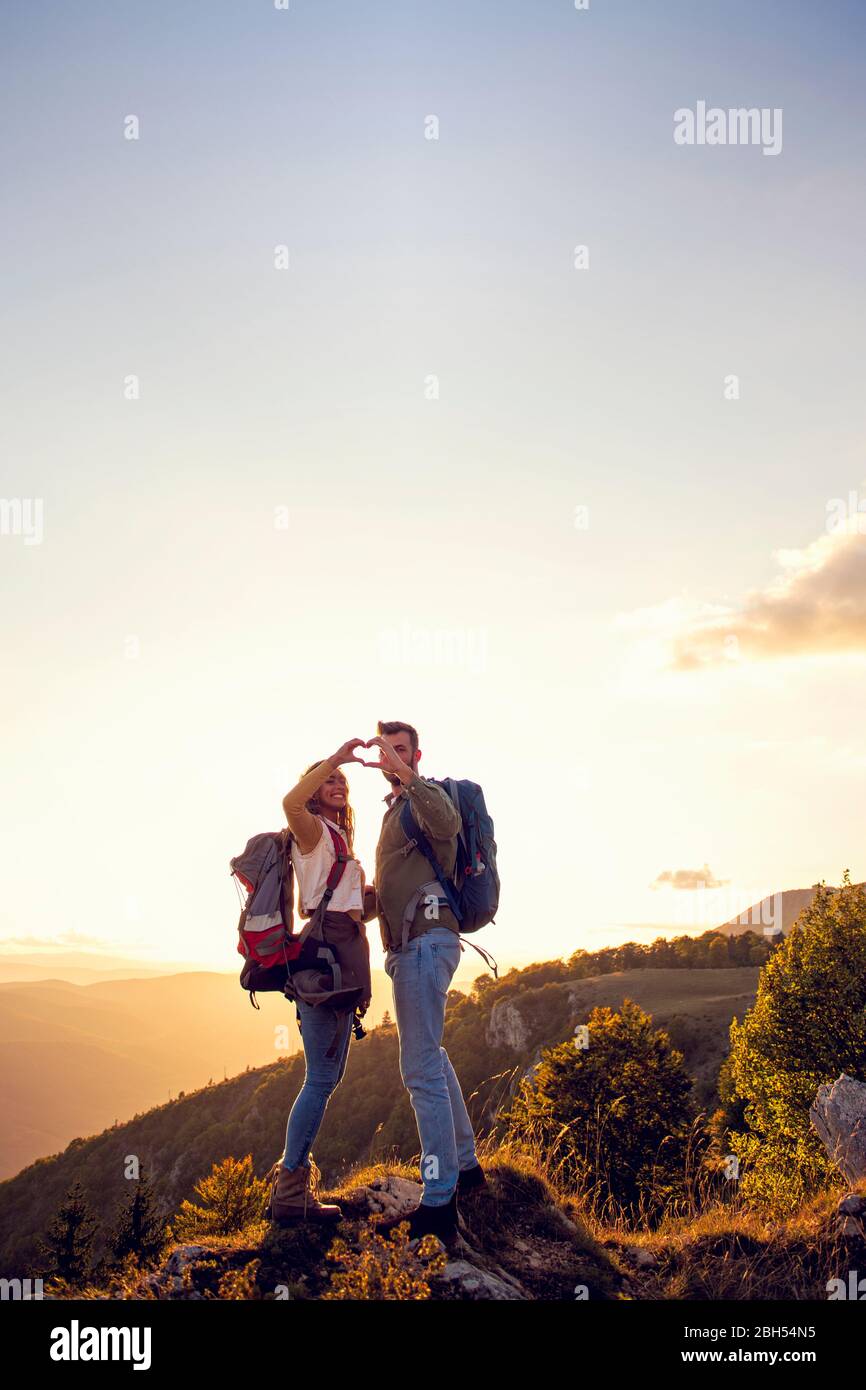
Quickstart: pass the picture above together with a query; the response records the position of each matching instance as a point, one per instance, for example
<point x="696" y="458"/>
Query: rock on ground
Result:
<point x="391" y="1196"/>
<point x="473" y="1283"/>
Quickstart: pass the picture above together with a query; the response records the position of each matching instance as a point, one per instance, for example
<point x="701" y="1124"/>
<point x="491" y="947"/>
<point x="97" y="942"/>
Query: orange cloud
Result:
<point x="816" y="606"/>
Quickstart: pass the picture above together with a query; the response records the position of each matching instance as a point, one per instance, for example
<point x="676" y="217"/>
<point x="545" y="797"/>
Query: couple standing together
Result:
<point x="422" y="945"/>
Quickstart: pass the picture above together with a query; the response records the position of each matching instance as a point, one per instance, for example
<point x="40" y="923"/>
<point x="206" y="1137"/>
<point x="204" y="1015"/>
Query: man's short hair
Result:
<point x="394" y="726"/>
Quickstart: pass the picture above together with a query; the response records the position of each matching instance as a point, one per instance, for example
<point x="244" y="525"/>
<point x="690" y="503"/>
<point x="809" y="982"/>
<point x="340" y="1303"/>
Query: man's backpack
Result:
<point x="473" y="891"/>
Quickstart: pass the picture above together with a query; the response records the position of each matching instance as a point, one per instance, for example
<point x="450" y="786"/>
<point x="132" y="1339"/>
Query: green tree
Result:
<point x="231" y="1197"/>
<point x="807" y="1025"/>
<point x="613" y="1118"/>
<point x="718" y="952"/>
<point x="137" y="1229"/>
<point x="67" y="1244"/>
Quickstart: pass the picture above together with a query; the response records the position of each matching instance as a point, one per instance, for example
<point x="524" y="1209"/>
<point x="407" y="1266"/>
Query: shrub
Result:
<point x="612" y="1119"/>
<point x="807" y="1025"/>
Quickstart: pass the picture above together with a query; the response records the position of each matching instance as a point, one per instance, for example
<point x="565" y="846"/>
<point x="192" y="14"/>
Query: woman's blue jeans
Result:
<point x="323" y="1075"/>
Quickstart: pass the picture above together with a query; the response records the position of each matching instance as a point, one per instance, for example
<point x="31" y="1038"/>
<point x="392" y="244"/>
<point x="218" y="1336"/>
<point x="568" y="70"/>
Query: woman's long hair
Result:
<point x="345" y="817"/>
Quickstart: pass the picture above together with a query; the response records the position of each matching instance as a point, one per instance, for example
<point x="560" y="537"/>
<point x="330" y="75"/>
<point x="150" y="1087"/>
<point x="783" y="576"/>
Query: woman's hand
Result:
<point x="346" y="752"/>
<point x="389" y="761"/>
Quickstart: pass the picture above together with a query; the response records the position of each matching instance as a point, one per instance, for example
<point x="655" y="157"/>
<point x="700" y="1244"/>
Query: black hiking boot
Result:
<point x="427" y="1221"/>
<point x="470" y="1181"/>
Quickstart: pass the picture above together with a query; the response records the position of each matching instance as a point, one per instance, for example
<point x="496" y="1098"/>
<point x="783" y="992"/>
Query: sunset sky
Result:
<point x="351" y="488"/>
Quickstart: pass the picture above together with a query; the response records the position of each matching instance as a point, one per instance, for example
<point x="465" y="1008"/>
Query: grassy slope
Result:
<point x="524" y="1228"/>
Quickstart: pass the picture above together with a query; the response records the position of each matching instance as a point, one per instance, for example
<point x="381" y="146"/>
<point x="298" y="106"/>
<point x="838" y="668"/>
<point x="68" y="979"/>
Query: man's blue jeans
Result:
<point x="323" y="1076"/>
<point x="420" y="975"/>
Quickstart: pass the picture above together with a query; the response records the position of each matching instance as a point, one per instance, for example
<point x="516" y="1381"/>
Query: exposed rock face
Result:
<point x="838" y="1114"/>
<point x="507" y="1027"/>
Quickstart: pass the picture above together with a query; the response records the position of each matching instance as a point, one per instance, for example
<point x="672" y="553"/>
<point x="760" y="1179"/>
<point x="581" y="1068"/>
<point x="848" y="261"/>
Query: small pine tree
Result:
<point x="66" y="1247"/>
<point x="232" y="1197"/>
<point x="137" y="1229"/>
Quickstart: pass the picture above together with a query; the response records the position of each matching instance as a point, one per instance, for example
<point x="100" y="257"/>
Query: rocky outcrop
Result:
<point x="468" y="1281"/>
<point x="515" y="1243"/>
<point x="507" y="1027"/>
<point x="838" y="1114"/>
<point x="171" y="1280"/>
<point x="851" y="1216"/>
<point x="390" y="1196"/>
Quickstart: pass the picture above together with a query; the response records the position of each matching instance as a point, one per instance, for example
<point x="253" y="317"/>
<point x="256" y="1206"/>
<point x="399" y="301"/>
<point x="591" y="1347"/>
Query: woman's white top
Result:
<point x="311" y="871"/>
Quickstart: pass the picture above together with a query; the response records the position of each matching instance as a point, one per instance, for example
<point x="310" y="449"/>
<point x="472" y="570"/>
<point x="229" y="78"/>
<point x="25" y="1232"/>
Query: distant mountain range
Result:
<point x="76" y="1058"/>
<point x="81" y="967"/>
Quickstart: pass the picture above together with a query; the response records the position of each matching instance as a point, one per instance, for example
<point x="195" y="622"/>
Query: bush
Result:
<point x="232" y="1196"/>
<point x="384" y="1269"/>
<point x="807" y="1025"/>
<point x="613" y="1119"/>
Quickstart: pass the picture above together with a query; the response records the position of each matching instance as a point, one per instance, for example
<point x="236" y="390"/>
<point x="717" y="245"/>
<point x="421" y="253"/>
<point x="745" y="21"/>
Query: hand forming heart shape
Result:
<point x="388" y="759"/>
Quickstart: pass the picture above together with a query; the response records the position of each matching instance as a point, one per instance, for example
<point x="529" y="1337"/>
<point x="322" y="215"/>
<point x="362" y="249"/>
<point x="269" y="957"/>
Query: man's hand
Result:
<point x="346" y="753"/>
<point x="389" y="761"/>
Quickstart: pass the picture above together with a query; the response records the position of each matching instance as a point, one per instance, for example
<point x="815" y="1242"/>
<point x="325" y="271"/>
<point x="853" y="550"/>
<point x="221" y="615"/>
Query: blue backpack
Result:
<point x="473" y="891"/>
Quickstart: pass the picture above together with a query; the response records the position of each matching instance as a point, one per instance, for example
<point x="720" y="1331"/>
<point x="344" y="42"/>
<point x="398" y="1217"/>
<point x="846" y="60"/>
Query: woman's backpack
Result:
<point x="265" y="941"/>
<point x="327" y="962"/>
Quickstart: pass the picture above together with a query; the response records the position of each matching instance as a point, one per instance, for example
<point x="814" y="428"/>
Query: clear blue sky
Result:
<point x="420" y="525"/>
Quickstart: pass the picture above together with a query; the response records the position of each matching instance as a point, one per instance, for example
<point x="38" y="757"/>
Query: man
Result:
<point x="420" y="936"/>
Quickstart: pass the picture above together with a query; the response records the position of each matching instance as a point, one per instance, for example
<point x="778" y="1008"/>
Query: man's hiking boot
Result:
<point x="294" y="1197"/>
<point x="427" y="1221"/>
<point x="470" y="1181"/>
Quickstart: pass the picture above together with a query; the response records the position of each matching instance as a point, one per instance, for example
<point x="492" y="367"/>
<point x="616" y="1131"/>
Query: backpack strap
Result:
<point x="418" y="840"/>
<point x="454" y="793"/>
<point x="338" y="868"/>
<point x="424" y="890"/>
<point x="486" y="956"/>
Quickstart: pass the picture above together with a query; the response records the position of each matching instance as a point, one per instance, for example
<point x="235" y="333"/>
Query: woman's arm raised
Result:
<point x="307" y="828"/>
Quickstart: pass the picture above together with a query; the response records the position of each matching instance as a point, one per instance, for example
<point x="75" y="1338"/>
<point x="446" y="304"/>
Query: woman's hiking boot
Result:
<point x="294" y="1197"/>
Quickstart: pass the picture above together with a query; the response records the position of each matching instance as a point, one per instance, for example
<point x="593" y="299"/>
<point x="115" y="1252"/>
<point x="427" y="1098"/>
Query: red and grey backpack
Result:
<point x="271" y="951"/>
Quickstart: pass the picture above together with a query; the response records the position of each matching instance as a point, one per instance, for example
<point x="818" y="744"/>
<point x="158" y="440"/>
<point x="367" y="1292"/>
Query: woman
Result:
<point x="316" y="807"/>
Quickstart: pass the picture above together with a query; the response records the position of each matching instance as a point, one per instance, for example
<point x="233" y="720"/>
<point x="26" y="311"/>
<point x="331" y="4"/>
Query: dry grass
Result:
<point x="528" y="1226"/>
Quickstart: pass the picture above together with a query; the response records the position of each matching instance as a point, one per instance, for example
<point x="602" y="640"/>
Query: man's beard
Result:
<point x="392" y="778"/>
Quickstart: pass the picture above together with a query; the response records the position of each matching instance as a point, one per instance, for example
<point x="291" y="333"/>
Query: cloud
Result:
<point x="687" y="880"/>
<point x="816" y="606"/>
<point x="52" y="943"/>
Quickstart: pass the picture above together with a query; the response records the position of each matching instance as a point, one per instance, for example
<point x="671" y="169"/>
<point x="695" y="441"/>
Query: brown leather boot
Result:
<point x="294" y="1199"/>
